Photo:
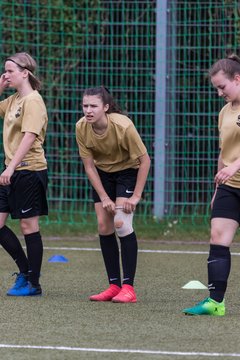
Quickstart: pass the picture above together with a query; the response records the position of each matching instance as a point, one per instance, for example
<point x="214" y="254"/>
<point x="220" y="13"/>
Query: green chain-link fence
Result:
<point x="200" y="32"/>
<point x="80" y="44"/>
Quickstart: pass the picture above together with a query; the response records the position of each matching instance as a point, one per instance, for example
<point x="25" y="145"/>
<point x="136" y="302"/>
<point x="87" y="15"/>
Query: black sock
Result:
<point x="110" y="252"/>
<point x="12" y="245"/>
<point x="219" y="265"/>
<point x="35" y="253"/>
<point x="129" y="248"/>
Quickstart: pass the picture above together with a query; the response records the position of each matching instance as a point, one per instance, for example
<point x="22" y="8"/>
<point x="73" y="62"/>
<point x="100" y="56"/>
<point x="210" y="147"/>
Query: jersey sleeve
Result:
<point x="34" y="117"/>
<point x="220" y="120"/>
<point x="134" y="143"/>
<point x="84" y="152"/>
<point x="3" y="107"/>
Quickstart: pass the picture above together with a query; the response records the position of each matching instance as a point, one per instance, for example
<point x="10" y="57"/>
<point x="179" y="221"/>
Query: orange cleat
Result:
<point x="106" y="295"/>
<point x="126" y="295"/>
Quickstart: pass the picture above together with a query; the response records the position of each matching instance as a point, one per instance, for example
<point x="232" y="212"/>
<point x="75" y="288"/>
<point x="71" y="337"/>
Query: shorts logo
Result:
<point x="129" y="191"/>
<point x="24" y="211"/>
<point x="211" y="261"/>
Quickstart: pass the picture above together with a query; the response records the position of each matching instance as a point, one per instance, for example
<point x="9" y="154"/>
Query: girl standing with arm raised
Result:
<point x="23" y="182"/>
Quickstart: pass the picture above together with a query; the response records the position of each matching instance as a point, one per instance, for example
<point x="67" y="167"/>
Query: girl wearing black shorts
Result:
<point x="117" y="164"/>
<point x="23" y="182"/>
<point x="225" y="217"/>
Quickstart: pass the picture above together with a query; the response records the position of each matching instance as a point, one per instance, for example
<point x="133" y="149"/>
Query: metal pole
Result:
<point x="160" y="109"/>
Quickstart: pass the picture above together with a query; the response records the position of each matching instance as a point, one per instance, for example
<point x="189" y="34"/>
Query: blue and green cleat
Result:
<point x="207" y="307"/>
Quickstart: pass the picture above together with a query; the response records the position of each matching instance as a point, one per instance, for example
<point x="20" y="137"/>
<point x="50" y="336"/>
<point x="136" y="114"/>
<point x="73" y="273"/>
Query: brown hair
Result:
<point x="24" y="61"/>
<point x="103" y="93"/>
<point x="230" y="66"/>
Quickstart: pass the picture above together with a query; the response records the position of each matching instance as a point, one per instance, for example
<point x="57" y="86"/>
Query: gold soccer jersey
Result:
<point x="117" y="149"/>
<point x="26" y="114"/>
<point x="229" y="132"/>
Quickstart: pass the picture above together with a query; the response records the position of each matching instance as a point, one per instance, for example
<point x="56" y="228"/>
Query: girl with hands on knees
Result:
<point x="117" y="165"/>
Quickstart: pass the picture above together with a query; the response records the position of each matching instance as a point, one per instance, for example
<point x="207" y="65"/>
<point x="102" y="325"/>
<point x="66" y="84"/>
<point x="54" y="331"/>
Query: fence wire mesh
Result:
<point x="80" y="44"/>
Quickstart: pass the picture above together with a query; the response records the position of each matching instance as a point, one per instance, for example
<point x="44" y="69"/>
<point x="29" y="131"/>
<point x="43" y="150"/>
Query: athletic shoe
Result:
<point x="21" y="280"/>
<point x="106" y="295"/>
<point x="27" y="290"/>
<point x="126" y="295"/>
<point x="207" y="307"/>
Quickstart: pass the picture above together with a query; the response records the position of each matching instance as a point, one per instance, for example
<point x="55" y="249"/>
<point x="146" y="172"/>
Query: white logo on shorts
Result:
<point x="211" y="261"/>
<point x="24" y="211"/>
<point x="129" y="191"/>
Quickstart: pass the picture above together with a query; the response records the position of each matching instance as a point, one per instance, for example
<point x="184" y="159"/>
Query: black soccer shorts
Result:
<point x="25" y="197"/>
<point x="226" y="203"/>
<point x="117" y="184"/>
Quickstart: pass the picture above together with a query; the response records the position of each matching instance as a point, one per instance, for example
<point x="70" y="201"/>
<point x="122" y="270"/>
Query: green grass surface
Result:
<point x="64" y="316"/>
<point x="145" y="228"/>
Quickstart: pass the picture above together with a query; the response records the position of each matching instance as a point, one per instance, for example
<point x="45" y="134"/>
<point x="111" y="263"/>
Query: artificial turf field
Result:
<point x="64" y="324"/>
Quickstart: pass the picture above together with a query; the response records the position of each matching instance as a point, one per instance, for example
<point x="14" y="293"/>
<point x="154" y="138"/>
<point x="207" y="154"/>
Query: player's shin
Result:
<point x="219" y="264"/>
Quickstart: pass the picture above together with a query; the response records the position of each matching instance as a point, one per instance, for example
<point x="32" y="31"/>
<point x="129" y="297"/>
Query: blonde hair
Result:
<point x="24" y="61"/>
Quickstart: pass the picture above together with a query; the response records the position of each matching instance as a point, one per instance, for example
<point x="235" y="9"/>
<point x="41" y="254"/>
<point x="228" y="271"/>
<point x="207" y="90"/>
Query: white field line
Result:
<point x="64" y="248"/>
<point x="140" y="250"/>
<point x="128" y="351"/>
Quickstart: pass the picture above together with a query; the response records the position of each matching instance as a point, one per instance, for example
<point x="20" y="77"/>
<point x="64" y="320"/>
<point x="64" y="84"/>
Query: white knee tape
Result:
<point x="123" y="223"/>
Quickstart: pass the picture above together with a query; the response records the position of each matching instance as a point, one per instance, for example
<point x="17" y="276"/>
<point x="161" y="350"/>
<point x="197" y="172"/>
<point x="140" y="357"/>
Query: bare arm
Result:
<point x="226" y="172"/>
<point x="25" y="145"/>
<point x="130" y="204"/>
<point x="3" y="83"/>
<point x="220" y="163"/>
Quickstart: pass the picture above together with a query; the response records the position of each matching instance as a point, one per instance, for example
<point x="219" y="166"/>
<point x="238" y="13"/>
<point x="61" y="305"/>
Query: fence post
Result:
<point x="160" y="109"/>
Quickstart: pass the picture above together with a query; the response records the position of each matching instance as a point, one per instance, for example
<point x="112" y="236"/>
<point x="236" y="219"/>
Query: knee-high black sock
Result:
<point x="35" y="253"/>
<point x="12" y="245"/>
<point x="129" y="248"/>
<point x="110" y="252"/>
<point x="219" y="265"/>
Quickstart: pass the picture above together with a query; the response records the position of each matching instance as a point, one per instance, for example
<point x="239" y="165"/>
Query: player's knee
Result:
<point x="123" y="223"/>
<point x="29" y="226"/>
<point x="216" y="236"/>
<point x="105" y="227"/>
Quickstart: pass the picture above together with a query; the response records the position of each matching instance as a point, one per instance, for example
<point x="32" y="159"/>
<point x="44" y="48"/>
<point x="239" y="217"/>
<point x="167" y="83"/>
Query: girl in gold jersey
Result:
<point x="225" y="217"/>
<point x="23" y="182"/>
<point x="117" y="164"/>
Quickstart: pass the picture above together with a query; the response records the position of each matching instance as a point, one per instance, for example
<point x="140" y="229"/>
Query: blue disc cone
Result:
<point x="58" y="258"/>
